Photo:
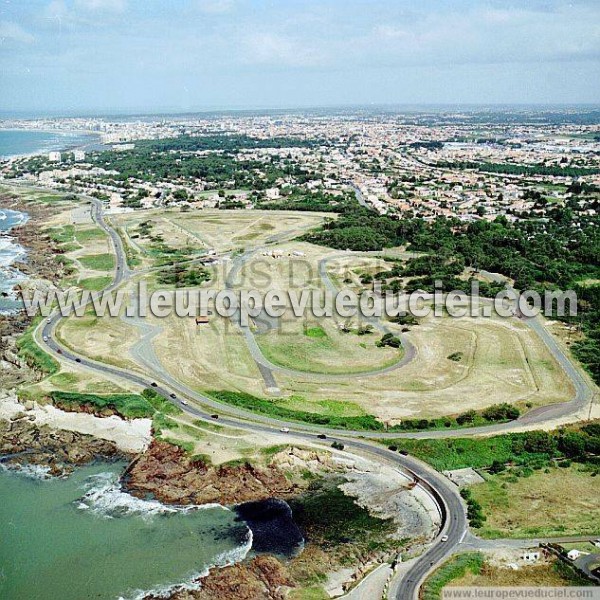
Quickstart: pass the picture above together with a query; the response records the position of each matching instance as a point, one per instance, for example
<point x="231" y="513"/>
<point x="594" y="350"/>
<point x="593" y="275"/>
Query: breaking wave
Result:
<point x="105" y="498"/>
<point x="9" y="253"/>
<point x="40" y="472"/>
<point x="194" y="581"/>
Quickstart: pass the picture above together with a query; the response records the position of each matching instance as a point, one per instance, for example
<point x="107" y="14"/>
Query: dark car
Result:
<point x="154" y="384"/>
<point x="77" y="360"/>
<point x="214" y="416"/>
<point x="173" y="396"/>
<point x="59" y="351"/>
<point x="322" y="436"/>
<point x="404" y="452"/>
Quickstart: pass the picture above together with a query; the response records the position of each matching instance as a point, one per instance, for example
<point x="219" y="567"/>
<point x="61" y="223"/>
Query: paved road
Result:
<point x="441" y="490"/>
<point x="472" y="542"/>
<point x="267" y="367"/>
<point x="454" y="525"/>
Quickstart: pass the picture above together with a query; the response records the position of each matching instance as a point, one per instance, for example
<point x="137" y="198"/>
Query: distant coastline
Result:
<point x="16" y="142"/>
<point x="10" y="251"/>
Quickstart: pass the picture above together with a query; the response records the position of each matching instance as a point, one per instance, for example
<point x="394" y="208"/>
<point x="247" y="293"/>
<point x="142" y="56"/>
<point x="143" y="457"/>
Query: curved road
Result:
<point x="261" y="359"/>
<point x="445" y="495"/>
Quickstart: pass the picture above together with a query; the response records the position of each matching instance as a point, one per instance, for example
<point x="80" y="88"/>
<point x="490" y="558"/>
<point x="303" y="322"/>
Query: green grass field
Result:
<point x="94" y="284"/>
<point x="98" y="262"/>
<point x="562" y="501"/>
<point x="131" y="406"/>
<point x="458" y="453"/>
<point x="33" y="355"/>
<point x="453" y="569"/>
<point x="86" y="235"/>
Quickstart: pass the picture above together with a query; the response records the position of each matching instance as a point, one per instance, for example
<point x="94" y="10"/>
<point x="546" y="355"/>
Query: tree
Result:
<point x="572" y="444"/>
<point x="467" y="417"/>
<point x="497" y="467"/>
<point x="539" y="442"/>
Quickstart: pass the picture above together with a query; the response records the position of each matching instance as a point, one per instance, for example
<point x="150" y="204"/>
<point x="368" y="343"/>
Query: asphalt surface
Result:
<point x="454" y="526"/>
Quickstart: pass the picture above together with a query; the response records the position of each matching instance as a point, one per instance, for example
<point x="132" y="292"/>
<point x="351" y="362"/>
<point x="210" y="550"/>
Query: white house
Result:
<point x="79" y="155"/>
<point x="54" y="156"/>
<point x="531" y="556"/>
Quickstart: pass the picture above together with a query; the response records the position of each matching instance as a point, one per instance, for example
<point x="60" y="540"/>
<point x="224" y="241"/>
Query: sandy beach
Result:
<point x="129" y="436"/>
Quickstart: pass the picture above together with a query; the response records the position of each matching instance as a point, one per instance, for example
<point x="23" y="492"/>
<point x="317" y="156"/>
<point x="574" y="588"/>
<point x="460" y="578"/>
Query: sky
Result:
<point x="70" y="56"/>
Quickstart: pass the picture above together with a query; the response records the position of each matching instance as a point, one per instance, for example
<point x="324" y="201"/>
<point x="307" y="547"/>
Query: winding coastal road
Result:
<point x="454" y="526"/>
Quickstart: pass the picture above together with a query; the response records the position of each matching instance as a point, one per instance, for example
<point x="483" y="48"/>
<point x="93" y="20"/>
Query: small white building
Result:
<point x="54" y="156"/>
<point x="78" y="155"/>
<point x="123" y="147"/>
<point x="530" y="556"/>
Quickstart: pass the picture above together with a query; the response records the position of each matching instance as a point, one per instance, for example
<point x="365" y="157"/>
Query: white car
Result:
<point x="45" y="338"/>
<point x="444" y="538"/>
<point x="284" y="430"/>
<point x="185" y="402"/>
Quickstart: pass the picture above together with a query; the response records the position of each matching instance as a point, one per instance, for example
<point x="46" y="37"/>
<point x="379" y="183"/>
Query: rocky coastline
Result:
<point x="308" y="546"/>
<point x="168" y="474"/>
<point x="23" y="443"/>
<point x="41" y="271"/>
<point x="321" y="520"/>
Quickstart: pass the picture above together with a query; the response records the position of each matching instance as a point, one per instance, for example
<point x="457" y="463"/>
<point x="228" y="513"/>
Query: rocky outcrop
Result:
<point x="13" y="369"/>
<point x="22" y="442"/>
<point x="172" y="477"/>
<point x="43" y="273"/>
<point x="263" y="578"/>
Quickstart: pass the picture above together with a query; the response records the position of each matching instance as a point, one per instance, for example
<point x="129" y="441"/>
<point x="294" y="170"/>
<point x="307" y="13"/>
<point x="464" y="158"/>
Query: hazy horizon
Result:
<point x="333" y="108"/>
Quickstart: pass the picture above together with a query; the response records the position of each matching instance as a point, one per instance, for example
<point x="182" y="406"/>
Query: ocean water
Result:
<point x="82" y="537"/>
<point x="9" y="253"/>
<point x="16" y="142"/>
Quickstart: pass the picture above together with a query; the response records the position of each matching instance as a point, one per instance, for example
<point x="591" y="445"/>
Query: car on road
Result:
<point x="214" y="416"/>
<point x="49" y="320"/>
<point x="322" y="436"/>
<point x="59" y="351"/>
<point x="285" y="430"/>
<point x="184" y="402"/>
<point x="78" y="360"/>
<point x="45" y="338"/>
<point x="173" y="396"/>
<point x="154" y="384"/>
<point x="444" y="538"/>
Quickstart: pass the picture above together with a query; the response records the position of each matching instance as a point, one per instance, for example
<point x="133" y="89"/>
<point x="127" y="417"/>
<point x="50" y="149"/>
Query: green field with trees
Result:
<point x="558" y="252"/>
<point x="530" y="450"/>
<point x="493" y="414"/>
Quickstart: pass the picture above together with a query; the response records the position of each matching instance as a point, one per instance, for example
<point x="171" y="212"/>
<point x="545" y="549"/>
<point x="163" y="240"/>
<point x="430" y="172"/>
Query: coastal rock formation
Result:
<point x="44" y="273"/>
<point x="39" y="246"/>
<point x="22" y="442"/>
<point x="172" y="477"/>
<point x="13" y="369"/>
<point x="262" y="578"/>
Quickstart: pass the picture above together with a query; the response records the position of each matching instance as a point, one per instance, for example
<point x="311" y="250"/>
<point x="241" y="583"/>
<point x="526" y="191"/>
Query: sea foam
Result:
<point x="105" y="498"/>
<point x="40" y="472"/>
